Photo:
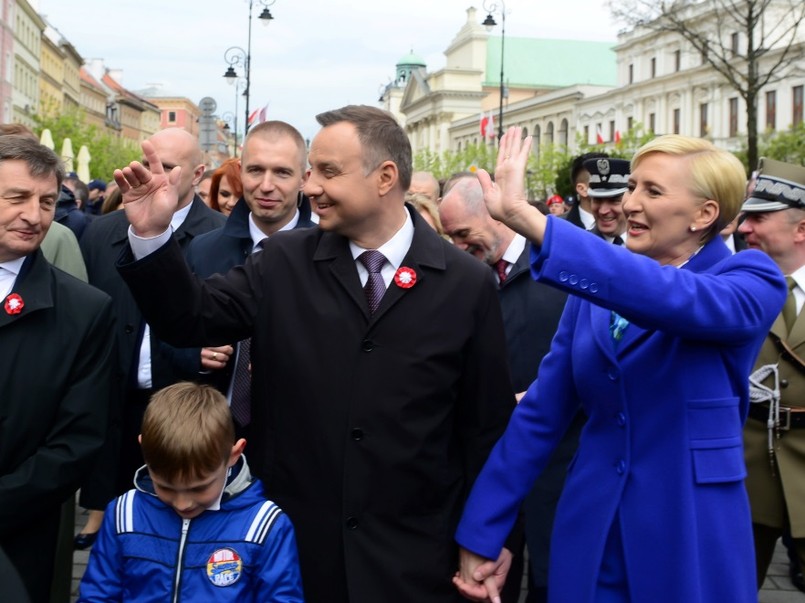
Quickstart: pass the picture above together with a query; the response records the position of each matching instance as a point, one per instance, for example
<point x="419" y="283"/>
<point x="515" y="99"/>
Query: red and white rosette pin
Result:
<point x="14" y="304"/>
<point x="405" y="277"/>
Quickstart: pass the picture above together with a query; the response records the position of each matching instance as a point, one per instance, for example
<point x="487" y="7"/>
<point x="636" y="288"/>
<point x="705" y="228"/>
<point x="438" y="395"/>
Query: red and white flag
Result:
<point x="599" y="138"/>
<point x="258" y="116"/>
<point x="487" y="125"/>
<point x="617" y="136"/>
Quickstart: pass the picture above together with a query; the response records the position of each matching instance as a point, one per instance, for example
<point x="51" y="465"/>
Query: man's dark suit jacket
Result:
<point x="101" y="245"/>
<point x="56" y="385"/>
<point x="375" y="426"/>
<point x="217" y="251"/>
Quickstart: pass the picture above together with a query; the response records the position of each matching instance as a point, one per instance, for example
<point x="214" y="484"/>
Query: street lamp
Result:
<point x="235" y="55"/>
<point x="240" y="88"/>
<point x="231" y="118"/>
<point x="489" y="23"/>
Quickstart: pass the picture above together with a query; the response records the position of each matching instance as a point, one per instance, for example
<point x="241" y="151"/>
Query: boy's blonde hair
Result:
<point x="187" y="431"/>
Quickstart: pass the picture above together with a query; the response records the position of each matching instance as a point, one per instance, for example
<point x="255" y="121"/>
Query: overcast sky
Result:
<point x="314" y="56"/>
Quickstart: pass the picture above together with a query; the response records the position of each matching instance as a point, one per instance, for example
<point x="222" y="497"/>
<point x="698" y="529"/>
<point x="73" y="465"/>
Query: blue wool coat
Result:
<point x="661" y="452"/>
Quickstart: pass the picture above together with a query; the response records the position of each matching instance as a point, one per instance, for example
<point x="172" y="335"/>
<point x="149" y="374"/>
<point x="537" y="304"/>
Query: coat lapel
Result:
<point x="425" y="251"/>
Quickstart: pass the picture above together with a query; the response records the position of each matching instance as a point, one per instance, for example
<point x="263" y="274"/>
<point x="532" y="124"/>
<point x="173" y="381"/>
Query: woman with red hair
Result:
<point x="226" y="187"/>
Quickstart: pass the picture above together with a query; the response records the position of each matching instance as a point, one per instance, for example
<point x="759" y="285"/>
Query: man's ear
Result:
<point x="388" y="176"/>
<point x="198" y="172"/>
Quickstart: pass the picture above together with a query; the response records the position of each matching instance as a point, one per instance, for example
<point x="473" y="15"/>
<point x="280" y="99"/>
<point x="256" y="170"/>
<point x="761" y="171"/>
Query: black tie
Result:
<point x="617" y="240"/>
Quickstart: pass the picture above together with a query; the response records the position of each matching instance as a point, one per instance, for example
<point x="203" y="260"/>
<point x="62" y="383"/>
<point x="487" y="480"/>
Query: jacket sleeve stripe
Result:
<point x="262" y="522"/>
<point x="124" y="512"/>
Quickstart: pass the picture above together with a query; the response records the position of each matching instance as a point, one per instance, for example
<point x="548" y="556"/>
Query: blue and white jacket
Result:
<point x="243" y="552"/>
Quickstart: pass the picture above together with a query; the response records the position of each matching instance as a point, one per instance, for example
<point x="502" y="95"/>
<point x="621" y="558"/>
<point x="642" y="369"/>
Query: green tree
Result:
<point x="108" y="152"/>
<point x="788" y="146"/>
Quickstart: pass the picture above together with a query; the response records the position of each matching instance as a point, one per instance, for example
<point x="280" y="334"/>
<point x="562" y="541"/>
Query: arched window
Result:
<point x="563" y="134"/>
<point x="549" y="133"/>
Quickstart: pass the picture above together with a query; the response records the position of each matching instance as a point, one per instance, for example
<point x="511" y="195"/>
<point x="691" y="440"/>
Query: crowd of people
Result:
<point x="428" y="378"/>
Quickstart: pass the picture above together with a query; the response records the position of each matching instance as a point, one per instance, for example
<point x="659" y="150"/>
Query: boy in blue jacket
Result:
<point x="197" y="527"/>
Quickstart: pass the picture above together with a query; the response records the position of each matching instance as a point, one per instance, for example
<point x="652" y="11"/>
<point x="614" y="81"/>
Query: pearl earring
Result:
<point x="692" y="229"/>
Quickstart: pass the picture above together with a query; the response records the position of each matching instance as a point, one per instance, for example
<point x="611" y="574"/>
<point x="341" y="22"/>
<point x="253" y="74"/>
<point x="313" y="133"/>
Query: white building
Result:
<point x="655" y="80"/>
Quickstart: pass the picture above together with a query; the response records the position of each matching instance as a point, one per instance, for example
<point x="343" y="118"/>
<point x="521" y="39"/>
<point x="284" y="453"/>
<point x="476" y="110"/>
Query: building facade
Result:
<point x="660" y="84"/>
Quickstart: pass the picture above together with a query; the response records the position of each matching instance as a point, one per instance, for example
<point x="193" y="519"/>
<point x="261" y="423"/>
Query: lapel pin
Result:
<point x="14" y="304"/>
<point x="405" y="277"/>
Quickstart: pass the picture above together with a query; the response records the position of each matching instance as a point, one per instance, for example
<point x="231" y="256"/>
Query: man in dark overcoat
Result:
<point x="379" y="382"/>
<point x="57" y="371"/>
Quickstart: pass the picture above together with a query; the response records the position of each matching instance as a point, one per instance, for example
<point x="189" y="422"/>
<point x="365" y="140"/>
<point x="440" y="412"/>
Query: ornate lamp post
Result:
<point x="235" y="55"/>
<point x="489" y="23"/>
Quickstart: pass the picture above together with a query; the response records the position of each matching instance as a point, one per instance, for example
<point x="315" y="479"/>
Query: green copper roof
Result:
<point x="412" y="60"/>
<point x="530" y="62"/>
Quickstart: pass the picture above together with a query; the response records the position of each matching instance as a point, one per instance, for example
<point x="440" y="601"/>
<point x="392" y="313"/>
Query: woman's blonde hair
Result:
<point x="715" y="174"/>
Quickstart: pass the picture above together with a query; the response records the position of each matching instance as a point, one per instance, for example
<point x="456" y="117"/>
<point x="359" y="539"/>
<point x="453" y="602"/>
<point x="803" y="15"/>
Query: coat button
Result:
<point x="563" y="276"/>
<point x="612" y="373"/>
<point x="357" y="434"/>
<point x="783" y="383"/>
<point x="128" y="329"/>
<point x="593" y="287"/>
<point x="620" y="467"/>
<point x="584" y="283"/>
<point x="352" y="523"/>
<point x="367" y="345"/>
<point x="621" y="418"/>
<point x="574" y="279"/>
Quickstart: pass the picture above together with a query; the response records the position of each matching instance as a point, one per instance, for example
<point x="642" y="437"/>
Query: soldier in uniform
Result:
<point x="774" y="435"/>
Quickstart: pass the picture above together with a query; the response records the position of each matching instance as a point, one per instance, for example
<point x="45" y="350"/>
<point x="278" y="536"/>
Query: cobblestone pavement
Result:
<point x="776" y="589"/>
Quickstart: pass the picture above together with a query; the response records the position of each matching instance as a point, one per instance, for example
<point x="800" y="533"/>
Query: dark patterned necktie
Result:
<point x="617" y="240"/>
<point x="241" y="404"/>
<point x="374" y="288"/>
<point x="790" y="307"/>
<point x="500" y="268"/>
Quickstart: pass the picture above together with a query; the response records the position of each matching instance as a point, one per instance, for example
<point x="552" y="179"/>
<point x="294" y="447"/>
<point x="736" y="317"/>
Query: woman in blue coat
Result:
<point x="655" y="344"/>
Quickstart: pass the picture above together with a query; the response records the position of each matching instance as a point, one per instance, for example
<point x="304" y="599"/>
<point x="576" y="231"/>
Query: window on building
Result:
<point x="629" y="123"/>
<point x="653" y="67"/>
<point x="612" y="130"/>
<point x="677" y="118"/>
<point x="677" y="60"/>
<point x="652" y="122"/>
<point x="587" y="134"/>
<point x="734" y="43"/>
<point x="549" y="133"/>
<point x="703" y="126"/>
<point x="797" y="102"/>
<point x="171" y="117"/>
<point x="771" y="110"/>
<point x="631" y="73"/>
<point x="733" y="117"/>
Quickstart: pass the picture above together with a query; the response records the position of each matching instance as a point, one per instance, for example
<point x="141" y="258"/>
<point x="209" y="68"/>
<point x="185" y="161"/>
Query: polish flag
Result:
<point x="617" y="136"/>
<point x="487" y="125"/>
<point x="258" y="116"/>
<point x="599" y="138"/>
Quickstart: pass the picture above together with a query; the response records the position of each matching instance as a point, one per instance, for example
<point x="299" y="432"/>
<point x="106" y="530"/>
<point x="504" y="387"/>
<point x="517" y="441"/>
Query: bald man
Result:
<point x="426" y="184"/>
<point x="145" y="363"/>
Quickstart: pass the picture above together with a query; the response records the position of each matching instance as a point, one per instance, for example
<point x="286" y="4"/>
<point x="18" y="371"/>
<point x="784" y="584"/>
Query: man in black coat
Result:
<point x="146" y="362"/>
<point x="273" y="165"/>
<point x="58" y="370"/>
<point x="374" y="416"/>
<point x="531" y="313"/>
